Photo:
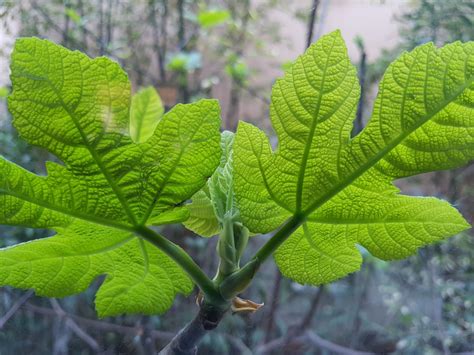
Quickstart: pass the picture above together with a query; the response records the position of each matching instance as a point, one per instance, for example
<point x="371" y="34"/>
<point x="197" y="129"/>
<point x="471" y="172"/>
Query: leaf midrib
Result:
<point x="139" y="126"/>
<point x="92" y="152"/>
<point x="308" y="145"/>
<point x="167" y="177"/>
<point x="71" y="213"/>
<point x="107" y="249"/>
<point x="381" y="154"/>
<point x="374" y="221"/>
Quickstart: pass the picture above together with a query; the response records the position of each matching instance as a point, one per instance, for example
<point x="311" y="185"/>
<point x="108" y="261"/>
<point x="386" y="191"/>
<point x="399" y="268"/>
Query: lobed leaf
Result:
<point x="108" y="185"/>
<point x="422" y="121"/>
<point x="140" y="278"/>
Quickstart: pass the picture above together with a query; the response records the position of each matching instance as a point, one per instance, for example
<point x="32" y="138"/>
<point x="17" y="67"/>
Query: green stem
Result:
<point x="206" y="285"/>
<point x="238" y="281"/>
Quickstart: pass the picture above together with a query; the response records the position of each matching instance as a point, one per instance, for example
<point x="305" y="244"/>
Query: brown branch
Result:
<point x="98" y="325"/>
<point x="164" y="38"/>
<point x="239" y="42"/>
<point x="317" y="341"/>
<point x="17" y="305"/>
<point x="71" y="324"/>
<point x="238" y="344"/>
<point x="359" y="124"/>
<point x="58" y="29"/>
<point x="159" y="37"/>
<point x="80" y="8"/>
<point x="67" y="21"/>
<point x="312" y="20"/>
<point x="306" y="322"/>
<point x="109" y="23"/>
<point x="312" y="339"/>
<point x="183" y="77"/>
<point x="273" y="306"/>
<point x="356" y="322"/>
<point x="185" y="342"/>
<point x="254" y="93"/>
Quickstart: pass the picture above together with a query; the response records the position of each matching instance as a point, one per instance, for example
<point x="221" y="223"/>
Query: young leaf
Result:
<point x="145" y="112"/>
<point x="215" y="202"/>
<point x="108" y="188"/>
<point x="341" y="188"/>
<point x="212" y="18"/>
<point x="202" y="218"/>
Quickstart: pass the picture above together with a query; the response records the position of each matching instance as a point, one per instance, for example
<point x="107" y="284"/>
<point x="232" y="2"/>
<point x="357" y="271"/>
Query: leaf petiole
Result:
<point x="242" y="278"/>
<point x="206" y="285"/>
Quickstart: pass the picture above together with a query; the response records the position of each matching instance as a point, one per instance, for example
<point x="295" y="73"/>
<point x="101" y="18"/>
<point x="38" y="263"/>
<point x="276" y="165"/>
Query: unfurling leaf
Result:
<point x="341" y="187"/>
<point x="212" y="205"/>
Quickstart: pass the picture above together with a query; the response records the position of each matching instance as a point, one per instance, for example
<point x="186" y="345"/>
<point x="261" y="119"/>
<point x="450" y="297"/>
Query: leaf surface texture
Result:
<point x="343" y="187"/>
<point x="107" y="185"/>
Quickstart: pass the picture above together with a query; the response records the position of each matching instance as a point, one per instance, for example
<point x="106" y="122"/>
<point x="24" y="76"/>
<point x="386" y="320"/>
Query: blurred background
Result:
<point x="234" y="51"/>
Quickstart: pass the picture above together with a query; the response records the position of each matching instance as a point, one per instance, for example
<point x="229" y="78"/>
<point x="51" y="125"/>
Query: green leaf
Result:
<point x="184" y="62"/>
<point x="221" y="182"/>
<point x="145" y="113"/>
<point x="176" y="215"/>
<point x="422" y="121"/>
<point x="237" y="69"/>
<point x="4" y="92"/>
<point x="109" y="186"/>
<point x="73" y="15"/>
<point x="212" y="18"/>
<point x="202" y="218"/>
<point x="140" y="278"/>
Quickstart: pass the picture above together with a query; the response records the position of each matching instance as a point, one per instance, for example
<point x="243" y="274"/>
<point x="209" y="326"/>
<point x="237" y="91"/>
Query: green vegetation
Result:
<point x="128" y="168"/>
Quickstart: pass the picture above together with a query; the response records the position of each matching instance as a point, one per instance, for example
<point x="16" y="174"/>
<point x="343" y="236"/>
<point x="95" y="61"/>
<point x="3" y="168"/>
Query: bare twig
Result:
<point x="52" y="22"/>
<point x="98" y="325"/>
<point x="76" y="329"/>
<point x="164" y="37"/>
<point x="356" y="320"/>
<point x="183" y="80"/>
<point x="312" y="339"/>
<point x="239" y="47"/>
<point x="109" y="22"/>
<point x="273" y="306"/>
<point x="11" y="312"/>
<point x="185" y="342"/>
<point x="312" y="20"/>
<point x="254" y="93"/>
<point x="306" y="322"/>
<point x="67" y="20"/>
<point x="159" y="36"/>
<point x="359" y="124"/>
<point x="80" y="8"/>
<point x="239" y="345"/>
<point x="317" y="341"/>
